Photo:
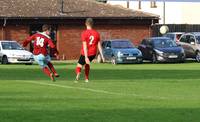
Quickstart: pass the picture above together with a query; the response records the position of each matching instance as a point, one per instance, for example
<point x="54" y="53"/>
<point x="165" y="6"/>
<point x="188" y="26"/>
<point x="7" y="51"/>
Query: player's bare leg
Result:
<point x="50" y="65"/>
<point x="48" y="73"/>
<point x="87" y="71"/>
<point x="78" y="72"/>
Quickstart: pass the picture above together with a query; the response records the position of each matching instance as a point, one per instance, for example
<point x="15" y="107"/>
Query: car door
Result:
<point x="185" y="42"/>
<point x="104" y="43"/>
<point x="192" y="49"/>
<point x="108" y="51"/>
<point x="142" y="48"/>
<point x="145" y="48"/>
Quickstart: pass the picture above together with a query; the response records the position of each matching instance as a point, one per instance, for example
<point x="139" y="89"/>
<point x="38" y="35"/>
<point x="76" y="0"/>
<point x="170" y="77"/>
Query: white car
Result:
<point x="12" y="52"/>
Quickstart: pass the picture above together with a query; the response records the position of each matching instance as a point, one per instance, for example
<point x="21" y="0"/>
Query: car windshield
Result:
<point x="164" y="43"/>
<point x="169" y="36"/>
<point x="198" y="39"/>
<point x="122" y="44"/>
<point x="11" y="46"/>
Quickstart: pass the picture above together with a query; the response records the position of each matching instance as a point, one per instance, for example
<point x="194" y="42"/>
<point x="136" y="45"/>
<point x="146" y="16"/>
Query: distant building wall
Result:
<point x="175" y="12"/>
<point x="69" y="37"/>
<point x="18" y="32"/>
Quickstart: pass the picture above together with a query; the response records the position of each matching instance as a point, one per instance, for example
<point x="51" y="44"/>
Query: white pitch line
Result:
<point x="94" y="90"/>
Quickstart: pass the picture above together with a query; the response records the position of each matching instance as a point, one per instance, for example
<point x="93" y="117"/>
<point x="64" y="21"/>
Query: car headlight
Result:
<point x="182" y="50"/>
<point x="159" y="52"/>
<point x="31" y="56"/>
<point x="119" y="54"/>
<point x="139" y="53"/>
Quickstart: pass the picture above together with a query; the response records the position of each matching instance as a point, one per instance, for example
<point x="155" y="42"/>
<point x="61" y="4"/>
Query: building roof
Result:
<point x="71" y="9"/>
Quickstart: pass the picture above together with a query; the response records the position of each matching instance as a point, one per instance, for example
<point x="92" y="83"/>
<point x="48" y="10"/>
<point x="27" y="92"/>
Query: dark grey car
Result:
<point x="161" y="49"/>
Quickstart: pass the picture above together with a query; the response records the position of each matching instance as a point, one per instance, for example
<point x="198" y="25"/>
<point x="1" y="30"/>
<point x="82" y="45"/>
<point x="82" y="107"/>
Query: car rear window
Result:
<point x="122" y="44"/>
<point x="11" y="46"/>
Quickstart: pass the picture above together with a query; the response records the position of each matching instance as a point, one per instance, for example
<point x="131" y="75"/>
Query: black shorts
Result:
<point x="82" y="59"/>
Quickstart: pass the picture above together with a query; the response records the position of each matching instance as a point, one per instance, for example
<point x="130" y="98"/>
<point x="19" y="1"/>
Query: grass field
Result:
<point x="122" y="93"/>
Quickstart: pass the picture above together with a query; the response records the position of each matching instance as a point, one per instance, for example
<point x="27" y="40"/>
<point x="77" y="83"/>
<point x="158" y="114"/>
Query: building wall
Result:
<point x="69" y="43"/>
<point x="68" y="36"/>
<point x="1" y="32"/>
<point x="12" y="32"/>
<point x="175" y="12"/>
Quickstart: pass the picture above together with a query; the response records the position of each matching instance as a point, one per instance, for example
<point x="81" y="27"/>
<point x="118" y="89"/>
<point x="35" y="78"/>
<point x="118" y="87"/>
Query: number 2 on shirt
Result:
<point x="40" y="41"/>
<point x="91" y="39"/>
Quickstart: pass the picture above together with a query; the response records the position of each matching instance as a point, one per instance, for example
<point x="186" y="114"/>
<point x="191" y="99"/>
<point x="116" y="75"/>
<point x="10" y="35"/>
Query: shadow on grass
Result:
<point x="117" y="115"/>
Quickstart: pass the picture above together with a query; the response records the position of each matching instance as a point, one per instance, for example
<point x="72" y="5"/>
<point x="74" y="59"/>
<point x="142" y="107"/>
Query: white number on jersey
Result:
<point x="40" y="41"/>
<point x="91" y="39"/>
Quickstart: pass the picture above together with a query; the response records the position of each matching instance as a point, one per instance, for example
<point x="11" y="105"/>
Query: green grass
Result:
<point x="122" y="93"/>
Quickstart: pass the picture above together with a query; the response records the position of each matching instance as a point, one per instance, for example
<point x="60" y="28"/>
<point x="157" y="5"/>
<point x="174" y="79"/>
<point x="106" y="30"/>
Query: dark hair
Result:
<point x="46" y="27"/>
<point x="89" y="21"/>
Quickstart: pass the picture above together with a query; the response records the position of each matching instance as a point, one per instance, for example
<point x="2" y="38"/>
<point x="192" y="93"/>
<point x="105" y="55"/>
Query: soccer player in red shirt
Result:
<point x="41" y="41"/>
<point x="90" y="42"/>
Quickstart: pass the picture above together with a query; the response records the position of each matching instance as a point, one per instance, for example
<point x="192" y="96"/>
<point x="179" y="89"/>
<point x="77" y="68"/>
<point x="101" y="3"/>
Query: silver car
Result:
<point x="175" y="36"/>
<point x="12" y="52"/>
<point x="191" y="45"/>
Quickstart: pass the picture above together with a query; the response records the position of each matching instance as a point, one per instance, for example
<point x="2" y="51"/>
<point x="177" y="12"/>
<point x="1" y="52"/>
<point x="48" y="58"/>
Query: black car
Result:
<point x="161" y="49"/>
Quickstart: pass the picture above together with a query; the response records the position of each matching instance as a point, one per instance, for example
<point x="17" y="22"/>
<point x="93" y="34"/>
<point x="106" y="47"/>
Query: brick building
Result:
<point x="21" y="18"/>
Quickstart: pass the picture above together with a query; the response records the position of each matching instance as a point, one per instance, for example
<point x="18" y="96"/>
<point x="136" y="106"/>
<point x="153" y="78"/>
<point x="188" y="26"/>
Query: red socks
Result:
<point x="78" y="70"/>
<point x="87" y="71"/>
<point x="46" y="71"/>
<point x="50" y="65"/>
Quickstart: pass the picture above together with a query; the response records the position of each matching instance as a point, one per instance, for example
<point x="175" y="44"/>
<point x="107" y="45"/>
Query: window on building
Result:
<point x="153" y="4"/>
<point x="103" y="1"/>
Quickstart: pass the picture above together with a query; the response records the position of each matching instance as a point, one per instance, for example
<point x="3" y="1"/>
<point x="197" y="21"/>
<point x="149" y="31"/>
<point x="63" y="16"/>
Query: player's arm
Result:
<point x="28" y="40"/>
<point x="86" y="52"/>
<point x="101" y="51"/>
<point x="52" y="45"/>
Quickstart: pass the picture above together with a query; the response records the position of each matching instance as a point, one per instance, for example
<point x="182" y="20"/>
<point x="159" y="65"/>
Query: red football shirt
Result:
<point x="41" y="41"/>
<point x="91" y="37"/>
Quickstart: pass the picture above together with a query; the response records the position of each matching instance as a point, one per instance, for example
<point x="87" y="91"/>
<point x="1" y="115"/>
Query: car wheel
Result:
<point x="182" y="60"/>
<point x="113" y="61"/>
<point x="154" y="58"/>
<point x="198" y="56"/>
<point x="99" y="59"/>
<point x="4" y="60"/>
<point x="140" y="62"/>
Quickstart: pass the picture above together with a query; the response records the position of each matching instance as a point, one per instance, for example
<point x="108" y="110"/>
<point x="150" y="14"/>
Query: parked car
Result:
<point x="191" y="45"/>
<point x="174" y="35"/>
<point x="12" y="52"/>
<point x="161" y="49"/>
<point x="120" y="51"/>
